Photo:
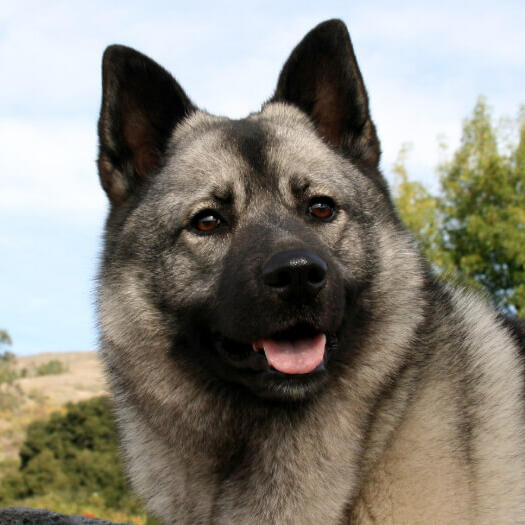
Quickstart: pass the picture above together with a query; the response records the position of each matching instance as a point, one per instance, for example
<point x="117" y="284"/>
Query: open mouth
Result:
<point x="299" y="350"/>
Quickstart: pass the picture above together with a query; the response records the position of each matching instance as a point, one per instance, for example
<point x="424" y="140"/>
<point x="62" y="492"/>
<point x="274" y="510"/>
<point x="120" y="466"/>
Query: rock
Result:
<point x="21" y="516"/>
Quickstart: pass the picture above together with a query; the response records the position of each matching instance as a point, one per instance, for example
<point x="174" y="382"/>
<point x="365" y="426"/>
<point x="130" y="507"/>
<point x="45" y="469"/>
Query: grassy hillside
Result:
<point x="36" y="396"/>
<point x="85" y="480"/>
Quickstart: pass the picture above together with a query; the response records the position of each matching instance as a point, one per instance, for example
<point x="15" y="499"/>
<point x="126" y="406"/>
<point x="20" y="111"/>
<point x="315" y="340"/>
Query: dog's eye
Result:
<point x="206" y="221"/>
<point x="322" y="208"/>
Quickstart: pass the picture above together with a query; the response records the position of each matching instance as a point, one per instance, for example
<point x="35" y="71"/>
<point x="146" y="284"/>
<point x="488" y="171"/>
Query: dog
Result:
<point x="278" y="349"/>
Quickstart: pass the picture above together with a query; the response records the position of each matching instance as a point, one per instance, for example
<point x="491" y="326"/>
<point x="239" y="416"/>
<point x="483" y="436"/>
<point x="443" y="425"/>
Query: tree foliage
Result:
<point x="5" y="338"/>
<point x="76" y="451"/>
<point x="420" y="212"/>
<point x="474" y="230"/>
<point x="484" y="207"/>
<point x="10" y="393"/>
<point x="53" y="367"/>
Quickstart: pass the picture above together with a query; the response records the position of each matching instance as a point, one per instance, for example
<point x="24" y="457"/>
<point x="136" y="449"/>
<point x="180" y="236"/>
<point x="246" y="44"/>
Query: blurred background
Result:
<point x="446" y="84"/>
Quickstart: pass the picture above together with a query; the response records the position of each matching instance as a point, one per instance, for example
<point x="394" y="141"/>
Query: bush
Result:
<point x="11" y="397"/>
<point x="10" y="393"/>
<point x="12" y="484"/>
<point x="7" y="371"/>
<point x="77" y="452"/>
<point x="42" y="472"/>
<point x="52" y="367"/>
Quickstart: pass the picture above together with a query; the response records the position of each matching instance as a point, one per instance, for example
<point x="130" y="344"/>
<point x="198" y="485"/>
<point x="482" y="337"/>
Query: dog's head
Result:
<point x="246" y="252"/>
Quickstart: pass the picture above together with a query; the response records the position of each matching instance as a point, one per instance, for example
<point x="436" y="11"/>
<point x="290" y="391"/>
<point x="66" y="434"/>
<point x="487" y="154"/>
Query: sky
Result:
<point x="424" y="64"/>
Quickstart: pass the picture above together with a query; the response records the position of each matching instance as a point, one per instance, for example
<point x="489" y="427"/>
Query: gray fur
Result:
<point x="421" y="418"/>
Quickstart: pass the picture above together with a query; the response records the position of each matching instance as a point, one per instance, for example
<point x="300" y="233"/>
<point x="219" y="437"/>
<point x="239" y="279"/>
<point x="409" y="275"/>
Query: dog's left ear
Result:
<point x="322" y="78"/>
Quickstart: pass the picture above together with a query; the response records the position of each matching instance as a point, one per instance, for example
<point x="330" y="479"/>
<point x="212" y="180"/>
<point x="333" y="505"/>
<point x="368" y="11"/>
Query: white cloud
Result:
<point x="51" y="52"/>
<point x="481" y="31"/>
<point x="49" y="167"/>
<point x="424" y="67"/>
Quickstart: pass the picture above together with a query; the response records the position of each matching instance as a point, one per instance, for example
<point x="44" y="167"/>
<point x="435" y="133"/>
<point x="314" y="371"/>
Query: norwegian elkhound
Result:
<point x="278" y="349"/>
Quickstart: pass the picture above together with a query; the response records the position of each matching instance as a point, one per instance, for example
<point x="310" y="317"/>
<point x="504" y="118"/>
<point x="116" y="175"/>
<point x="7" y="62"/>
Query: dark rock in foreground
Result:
<point x="20" y="516"/>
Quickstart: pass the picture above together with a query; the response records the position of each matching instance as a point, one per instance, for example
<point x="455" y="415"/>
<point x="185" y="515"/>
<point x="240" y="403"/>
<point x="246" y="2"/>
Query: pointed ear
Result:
<point x="141" y="104"/>
<point x="322" y="78"/>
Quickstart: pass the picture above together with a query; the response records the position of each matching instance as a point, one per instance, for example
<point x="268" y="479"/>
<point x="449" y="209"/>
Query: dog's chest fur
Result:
<point x="419" y="473"/>
<point x="422" y="477"/>
<point x="271" y="482"/>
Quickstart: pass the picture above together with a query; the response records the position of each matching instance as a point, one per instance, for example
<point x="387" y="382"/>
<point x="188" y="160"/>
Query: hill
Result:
<point x="36" y="396"/>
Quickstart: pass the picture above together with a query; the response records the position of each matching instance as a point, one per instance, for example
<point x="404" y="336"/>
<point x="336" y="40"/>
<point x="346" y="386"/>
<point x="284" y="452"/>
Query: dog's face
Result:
<point x="245" y="249"/>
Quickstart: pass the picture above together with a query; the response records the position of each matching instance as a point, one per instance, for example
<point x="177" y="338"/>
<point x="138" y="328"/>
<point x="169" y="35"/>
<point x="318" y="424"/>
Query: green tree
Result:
<point x="482" y="204"/>
<point x="419" y="211"/>
<point x="53" y="367"/>
<point x="5" y="339"/>
<point x="77" y="451"/>
<point x="42" y="472"/>
<point x="71" y="462"/>
<point x="474" y="230"/>
<point x="10" y="393"/>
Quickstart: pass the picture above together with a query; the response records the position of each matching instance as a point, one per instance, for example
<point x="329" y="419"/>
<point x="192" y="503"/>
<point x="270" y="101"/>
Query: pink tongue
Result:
<point x="293" y="357"/>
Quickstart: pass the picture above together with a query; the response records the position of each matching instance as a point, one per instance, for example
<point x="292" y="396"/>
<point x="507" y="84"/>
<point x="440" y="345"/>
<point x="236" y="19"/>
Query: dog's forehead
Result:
<point x="298" y="156"/>
<point x="272" y="149"/>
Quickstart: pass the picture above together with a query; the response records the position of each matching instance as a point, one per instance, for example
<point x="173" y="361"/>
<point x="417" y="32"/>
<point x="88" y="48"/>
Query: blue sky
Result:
<point x="424" y="63"/>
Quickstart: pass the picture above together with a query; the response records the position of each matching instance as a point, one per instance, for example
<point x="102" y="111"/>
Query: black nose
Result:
<point x="295" y="273"/>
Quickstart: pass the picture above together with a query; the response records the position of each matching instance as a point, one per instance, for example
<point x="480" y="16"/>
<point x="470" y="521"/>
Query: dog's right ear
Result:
<point x="141" y="104"/>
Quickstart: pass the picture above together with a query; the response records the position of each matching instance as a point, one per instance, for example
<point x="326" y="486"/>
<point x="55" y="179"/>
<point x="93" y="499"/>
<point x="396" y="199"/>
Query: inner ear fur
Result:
<point x="322" y="78"/>
<point x="141" y="105"/>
